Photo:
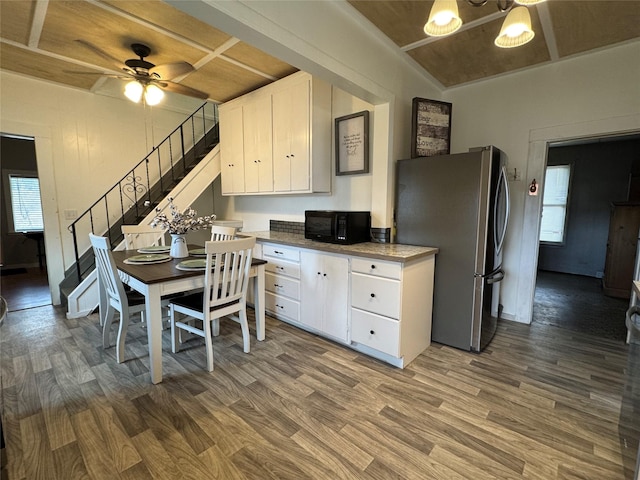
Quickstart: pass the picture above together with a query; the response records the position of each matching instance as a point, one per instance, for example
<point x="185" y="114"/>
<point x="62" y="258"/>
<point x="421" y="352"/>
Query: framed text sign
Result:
<point x="352" y="143"/>
<point x="430" y="128"/>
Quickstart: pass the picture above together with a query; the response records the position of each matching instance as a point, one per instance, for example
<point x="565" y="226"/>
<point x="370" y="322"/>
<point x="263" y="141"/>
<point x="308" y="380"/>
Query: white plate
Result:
<point x="191" y="265"/>
<point x="147" y="258"/>
<point x="155" y="249"/>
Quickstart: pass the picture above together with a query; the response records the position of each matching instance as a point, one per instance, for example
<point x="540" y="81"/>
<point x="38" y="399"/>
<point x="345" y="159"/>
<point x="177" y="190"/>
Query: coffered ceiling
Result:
<point x="48" y="39"/>
<point x="562" y="28"/>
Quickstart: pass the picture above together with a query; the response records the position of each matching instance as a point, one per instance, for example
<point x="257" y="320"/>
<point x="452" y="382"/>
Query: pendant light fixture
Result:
<point x="443" y="19"/>
<point x="135" y="91"/>
<point x="516" y="29"/>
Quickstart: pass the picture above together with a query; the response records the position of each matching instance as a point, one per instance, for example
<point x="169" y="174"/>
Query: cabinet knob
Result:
<point x="373" y="267"/>
<point x="292" y="155"/>
<point x="324" y="274"/>
<point x="372" y="332"/>
<point x="373" y="295"/>
<point x="318" y="273"/>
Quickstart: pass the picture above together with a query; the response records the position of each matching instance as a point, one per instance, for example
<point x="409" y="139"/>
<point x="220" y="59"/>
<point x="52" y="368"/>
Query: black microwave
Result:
<point x="337" y="227"/>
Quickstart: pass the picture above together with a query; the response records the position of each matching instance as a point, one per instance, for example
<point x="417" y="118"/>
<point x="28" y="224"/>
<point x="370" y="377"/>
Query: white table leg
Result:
<point x="258" y="291"/>
<point x="154" y="332"/>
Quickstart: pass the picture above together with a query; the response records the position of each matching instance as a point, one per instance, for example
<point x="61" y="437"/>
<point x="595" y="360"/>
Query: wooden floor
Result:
<point x="540" y="403"/>
<point x="27" y="288"/>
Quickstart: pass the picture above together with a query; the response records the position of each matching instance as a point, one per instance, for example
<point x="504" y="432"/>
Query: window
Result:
<point x="25" y="212"/>
<point x="554" y="204"/>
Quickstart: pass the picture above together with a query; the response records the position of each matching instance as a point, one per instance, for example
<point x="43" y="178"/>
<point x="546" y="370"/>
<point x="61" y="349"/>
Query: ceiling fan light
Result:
<point x="133" y="91"/>
<point x="528" y="2"/>
<point x="153" y="94"/>
<point x="516" y="29"/>
<point x="443" y="18"/>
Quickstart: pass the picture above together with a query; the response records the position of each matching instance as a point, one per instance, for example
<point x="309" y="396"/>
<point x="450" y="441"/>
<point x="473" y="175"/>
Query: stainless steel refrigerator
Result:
<point x="460" y="204"/>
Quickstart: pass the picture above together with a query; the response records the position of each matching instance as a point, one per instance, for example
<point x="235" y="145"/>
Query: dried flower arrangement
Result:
<point x="181" y="222"/>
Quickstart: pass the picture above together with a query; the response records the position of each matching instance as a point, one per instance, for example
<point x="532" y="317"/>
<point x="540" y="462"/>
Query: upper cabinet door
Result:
<point x="231" y="150"/>
<point x="291" y="127"/>
<point x="258" y="154"/>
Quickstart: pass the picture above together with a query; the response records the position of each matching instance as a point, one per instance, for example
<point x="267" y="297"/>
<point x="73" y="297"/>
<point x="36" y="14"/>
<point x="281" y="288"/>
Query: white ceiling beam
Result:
<point x="39" y="15"/>
<point x="547" y="30"/>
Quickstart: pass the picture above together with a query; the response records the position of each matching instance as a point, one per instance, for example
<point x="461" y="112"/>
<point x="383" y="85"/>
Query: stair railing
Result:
<point x="139" y="190"/>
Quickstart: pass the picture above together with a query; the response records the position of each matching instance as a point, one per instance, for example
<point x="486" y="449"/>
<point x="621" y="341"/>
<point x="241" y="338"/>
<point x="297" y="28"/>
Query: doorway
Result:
<point x="569" y="289"/>
<point x="23" y="268"/>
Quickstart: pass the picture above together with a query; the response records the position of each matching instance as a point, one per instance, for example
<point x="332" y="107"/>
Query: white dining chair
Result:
<point x="228" y="263"/>
<point x="140" y="236"/>
<point x="113" y="296"/>
<point x="218" y="232"/>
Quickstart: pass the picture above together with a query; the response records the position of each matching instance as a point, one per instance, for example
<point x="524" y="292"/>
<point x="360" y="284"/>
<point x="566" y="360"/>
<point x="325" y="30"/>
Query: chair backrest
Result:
<point x="107" y="271"/>
<point x="227" y="271"/>
<point x="140" y="236"/>
<point x="218" y="232"/>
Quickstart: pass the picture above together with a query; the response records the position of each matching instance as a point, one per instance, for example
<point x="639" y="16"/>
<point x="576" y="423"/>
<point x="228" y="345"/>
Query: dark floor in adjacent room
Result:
<point x="577" y="303"/>
<point x="25" y="288"/>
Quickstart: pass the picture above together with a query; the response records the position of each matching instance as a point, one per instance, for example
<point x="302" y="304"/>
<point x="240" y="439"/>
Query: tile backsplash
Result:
<point x="286" y="227"/>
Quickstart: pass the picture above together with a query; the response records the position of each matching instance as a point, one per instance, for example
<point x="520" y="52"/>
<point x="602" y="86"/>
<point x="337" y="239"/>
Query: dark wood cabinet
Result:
<point x="621" y="249"/>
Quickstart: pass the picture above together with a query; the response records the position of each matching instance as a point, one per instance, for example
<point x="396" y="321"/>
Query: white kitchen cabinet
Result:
<point x="381" y="308"/>
<point x="232" y="151"/>
<point x="324" y="299"/>
<point x="291" y="118"/>
<point x="282" y="281"/>
<point x="258" y="153"/>
<point x="391" y="307"/>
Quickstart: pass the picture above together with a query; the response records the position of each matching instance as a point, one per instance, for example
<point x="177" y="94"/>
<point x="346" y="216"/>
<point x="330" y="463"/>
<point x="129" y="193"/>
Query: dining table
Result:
<point x="155" y="280"/>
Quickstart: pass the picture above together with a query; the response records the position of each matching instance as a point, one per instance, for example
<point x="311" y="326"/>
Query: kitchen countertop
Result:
<point x="383" y="251"/>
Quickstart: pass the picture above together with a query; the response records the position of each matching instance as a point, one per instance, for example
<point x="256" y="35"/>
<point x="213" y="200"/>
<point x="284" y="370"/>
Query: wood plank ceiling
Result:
<point x="39" y="38"/>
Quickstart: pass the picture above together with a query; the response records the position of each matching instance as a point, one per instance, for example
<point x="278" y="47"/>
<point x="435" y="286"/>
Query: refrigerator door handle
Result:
<point x="495" y="277"/>
<point x="502" y="182"/>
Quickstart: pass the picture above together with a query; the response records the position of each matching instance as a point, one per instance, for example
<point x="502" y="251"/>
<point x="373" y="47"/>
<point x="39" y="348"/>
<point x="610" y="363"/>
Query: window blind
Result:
<point x="26" y="208"/>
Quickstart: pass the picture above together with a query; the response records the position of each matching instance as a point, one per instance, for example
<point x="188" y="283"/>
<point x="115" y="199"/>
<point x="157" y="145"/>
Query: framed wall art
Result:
<point x="352" y="143"/>
<point x="430" y="128"/>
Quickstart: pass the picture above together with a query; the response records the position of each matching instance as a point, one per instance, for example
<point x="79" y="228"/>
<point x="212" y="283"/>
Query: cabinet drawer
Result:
<point x="375" y="294"/>
<point x="282" y="285"/>
<point x="282" y="267"/>
<point x="379" y="268"/>
<point x="375" y="331"/>
<point x="278" y="251"/>
<point x="282" y="307"/>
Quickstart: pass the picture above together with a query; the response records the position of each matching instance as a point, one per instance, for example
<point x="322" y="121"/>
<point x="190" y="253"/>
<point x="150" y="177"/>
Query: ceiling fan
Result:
<point x="147" y="80"/>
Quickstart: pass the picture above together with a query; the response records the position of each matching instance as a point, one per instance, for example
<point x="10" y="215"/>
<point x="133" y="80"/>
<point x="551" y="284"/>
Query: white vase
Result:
<point x="178" y="246"/>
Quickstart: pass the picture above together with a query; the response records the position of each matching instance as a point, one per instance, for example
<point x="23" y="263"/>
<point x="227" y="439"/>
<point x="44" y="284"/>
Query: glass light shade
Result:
<point x="516" y="29"/>
<point x="443" y="18"/>
<point x="133" y="91"/>
<point x="153" y="94"/>
<point x="528" y="2"/>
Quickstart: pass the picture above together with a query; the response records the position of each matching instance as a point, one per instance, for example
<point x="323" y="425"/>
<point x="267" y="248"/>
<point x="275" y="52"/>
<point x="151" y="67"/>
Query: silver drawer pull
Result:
<point x="277" y="286"/>
<point x="279" y="306"/>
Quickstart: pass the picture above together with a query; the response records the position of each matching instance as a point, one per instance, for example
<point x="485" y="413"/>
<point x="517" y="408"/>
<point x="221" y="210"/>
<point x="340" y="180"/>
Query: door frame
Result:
<point x="539" y="141"/>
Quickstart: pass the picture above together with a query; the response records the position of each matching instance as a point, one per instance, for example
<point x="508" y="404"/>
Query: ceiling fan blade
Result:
<point x="184" y="90"/>
<point x="103" y="54"/>
<point x="168" y="71"/>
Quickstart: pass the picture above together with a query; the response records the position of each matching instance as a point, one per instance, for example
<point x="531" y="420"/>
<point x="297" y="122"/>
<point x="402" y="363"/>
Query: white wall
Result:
<point x="84" y="144"/>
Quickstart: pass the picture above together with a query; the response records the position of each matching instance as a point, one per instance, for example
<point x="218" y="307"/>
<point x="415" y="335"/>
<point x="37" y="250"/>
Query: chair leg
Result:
<point x="244" y="324"/>
<point x="208" y="342"/>
<point x="175" y="331"/>
<point x="122" y="333"/>
<point x="215" y="323"/>
<point x="106" y="326"/>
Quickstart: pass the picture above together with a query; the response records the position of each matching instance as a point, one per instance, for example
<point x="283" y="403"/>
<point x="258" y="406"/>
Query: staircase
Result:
<point x="182" y="166"/>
